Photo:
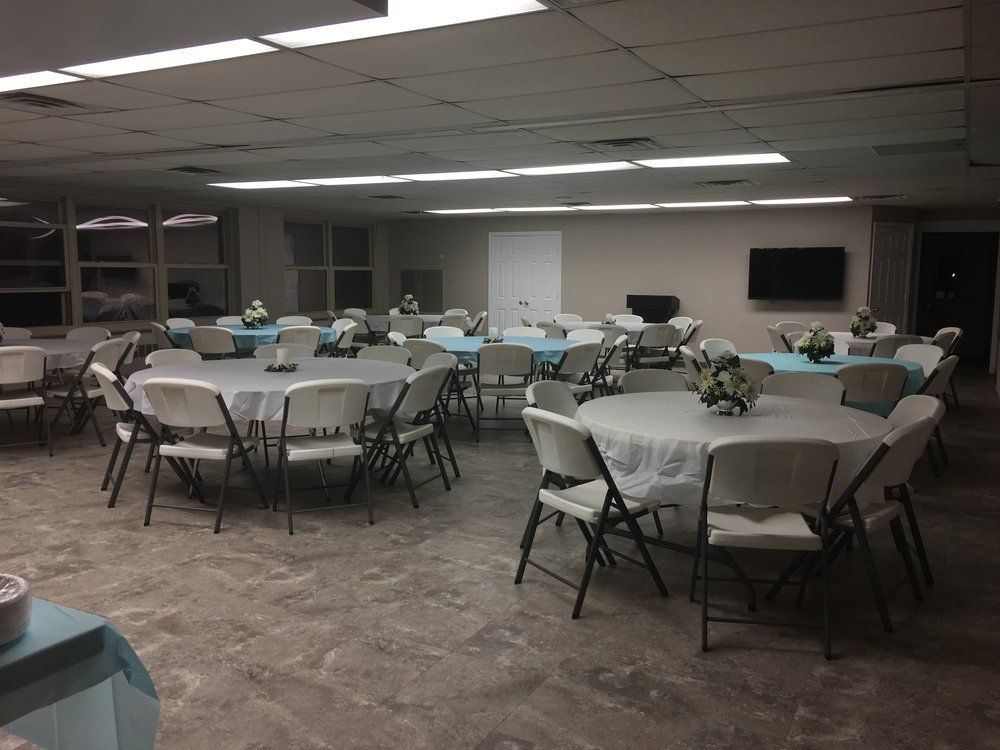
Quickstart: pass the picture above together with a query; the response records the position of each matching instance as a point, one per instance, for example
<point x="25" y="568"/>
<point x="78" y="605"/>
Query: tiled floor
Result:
<point x="411" y="633"/>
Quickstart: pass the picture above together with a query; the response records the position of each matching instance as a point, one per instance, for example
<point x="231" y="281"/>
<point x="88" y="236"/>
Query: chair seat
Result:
<point x="657" y="360"/>
<point x="92" y="390"/>
<point x="124" y="432"/>
<point x="577" y="388"/>
<point x="760" y="528"/>
<point x="205" y="446"/>
<point x="22" y="401"/>
<point x="407" y="432"/>
<point x="321" y="447"/>
<point x="585" y="501"/>
<point x="875" y="516"/>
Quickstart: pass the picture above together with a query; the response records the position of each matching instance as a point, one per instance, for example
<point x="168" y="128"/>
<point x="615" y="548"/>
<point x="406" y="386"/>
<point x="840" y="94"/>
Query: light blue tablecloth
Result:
<point x="72" y="681"/>
<point x="465" y="347"/>
<point x="798" y="363"/>
<point x="250" y="338"/>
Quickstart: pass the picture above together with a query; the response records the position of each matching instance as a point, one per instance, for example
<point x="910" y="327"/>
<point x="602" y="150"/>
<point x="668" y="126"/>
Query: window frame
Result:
<point x="66" y="289"/>
<point x="330" y="269"/>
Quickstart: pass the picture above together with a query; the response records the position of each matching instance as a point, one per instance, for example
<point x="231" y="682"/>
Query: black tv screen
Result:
<point x="796" y="273"/>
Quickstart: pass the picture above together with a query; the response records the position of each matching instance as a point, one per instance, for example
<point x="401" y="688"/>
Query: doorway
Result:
<point x="956" y="287"/>
<point x="525" y="277"/>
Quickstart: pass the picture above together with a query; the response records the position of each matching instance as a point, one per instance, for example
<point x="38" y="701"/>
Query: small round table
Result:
<point x="250" y="338"/>
<point x="656" y="444"/>
<point x="255" y="395"/>
<point x="465" y="347"/>
<point x="59" y="353"/>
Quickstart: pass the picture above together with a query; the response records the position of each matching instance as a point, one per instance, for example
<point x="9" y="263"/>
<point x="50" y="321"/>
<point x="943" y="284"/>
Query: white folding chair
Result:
<point x="229" y="320"/>
<point x="79" y="398"/>
<point x="23" y="367"/>
<point x="420" y="350"/>
<point x="455" y="320"/>
<point x="394" y="311"/>
<point x="525" y="332"/>
<point x="946" y="338"/>
<point x="779" y="343"/>
<point x="396" y="354"/>
<point x="692" y="367"/>
<point x="92" y="334"/>
<point x="713" y="348"/>
<point x="576" y="481"/>
<point x="213" y="341"/>
<point x="296" y="334"/>
<point x="345" y="329"/>
<point x="577" y="366"/>
<point x="411" y="326"/>
<point x="587" y="334"/>
<point x="501" y="361"/>
<point x="789" y="326"/>
<point x="811" y="386"/>
<point x="552" y="330"/>
<point x="163" y="341"/>
<point x="567" y="318"/>
<point x="457" y="385"/>
<point x="295" y="351"/>
<point x="935" y="385"/>
<point x="651" y="380"/>
<point x="363" y="334"/>
<point x="162" y="357"/>
<point x="882" y="327"/>
<point x="13" y="333"/>
<point x="336" y="408"/>
<point x="886" y="346"/>
<point x="443" y="332"/>
<point x="554" y="396"/>
<point x="132" y="337"/>
<point x="294" y="320"/>
<point x="478" y="327"/>
<point x="870" y="383"/>
<point x="456" y="311"/>
<point x="612" y="365"/>
<point x="652" y="348"/>
<point x="395" y="338"/>
<point x="182" y="323"/>
<point x="627" y="318"/>
<point x="925" y="355"/>
<point x="682" y="323"/>
<point x="756" y="370"/>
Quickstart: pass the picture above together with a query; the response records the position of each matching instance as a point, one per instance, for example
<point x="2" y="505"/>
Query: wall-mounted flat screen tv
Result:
<point x="796" y="273"/>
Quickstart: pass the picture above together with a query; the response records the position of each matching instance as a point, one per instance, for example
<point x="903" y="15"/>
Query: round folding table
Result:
<point x="466" y="347"/>
<point x="250" y="338"/>
<point x="59" y="353"/>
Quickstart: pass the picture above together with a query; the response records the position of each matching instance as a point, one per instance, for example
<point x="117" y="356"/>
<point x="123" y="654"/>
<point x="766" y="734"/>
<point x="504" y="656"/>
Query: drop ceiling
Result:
<point x="886" y="97"/>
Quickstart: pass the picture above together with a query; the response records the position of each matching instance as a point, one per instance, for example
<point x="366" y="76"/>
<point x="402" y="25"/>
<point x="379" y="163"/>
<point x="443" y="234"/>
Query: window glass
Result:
<point x="192" y="237"/>
<point x="351" y="246"/>
<point x="112" y="235"/>
<point x="195" y="292"/>
<point x="40" y="212"/>
<point x="352" y="289"/>
<point x="124" y="293"/>
<point x="305" y="290"/>
<point x="304" y="245"/>
<point x="34" y="308"/>
<point x="31" y="257"/>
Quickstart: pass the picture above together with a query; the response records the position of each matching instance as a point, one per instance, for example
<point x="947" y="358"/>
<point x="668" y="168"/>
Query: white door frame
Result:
<point x="491" y="256"/>
<point x="909" y="304"/>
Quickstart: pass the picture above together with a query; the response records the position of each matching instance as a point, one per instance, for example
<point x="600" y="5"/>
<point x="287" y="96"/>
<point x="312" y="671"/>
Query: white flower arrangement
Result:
<point x="255" y="316"/>
<point x="409" y="306"/>
<point x="863" y="323"/>
<point x="816" y="343"/>
<point x="726" y="386"/>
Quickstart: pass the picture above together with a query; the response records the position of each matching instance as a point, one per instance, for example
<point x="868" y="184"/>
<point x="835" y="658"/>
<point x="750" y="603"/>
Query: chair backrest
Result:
<point x="182" y="323"/>
<point x="658" y="336"/>
<point x="682" y="323"/>
<point x="345" y="334"/>
<point x="794" y="336"/>
<point x="937" y="381"/>
<point x="712" y="348"/>
<point x="361" y="321"/>
<point x="180" y="402"/>
<point x="787" y="326"/>
<point x="946" y="338"/>
<point x="905" y="445"/>
<point x="554" y="396"/>
<point x="132" y="337"/>
<point x="611" y="332"/>
<point x="525" y="332"/>
<point x="423" y="389"/>
<point x="440" y="359"/>
<point x="420" y="350"/>
<point x="115" y="396"/>
<point x="693" y="332"/>
<point x="552" y="330"/>
<point x="295" y="351"/>
<point x="330" y="403"/>
<point x="408" y="325"/>
<point x="398" y="354"/>
<point x="587" y="334"/>
<point x="812" y="386"/>
<point x="887" y="346"/>
<point x="443" y="332"/>
<point x="331" y="315"/>
<point x="567" y="318"/>
<point x="478" y="324"/>
<point x="691" y="365"/>
<point x="88" y="333"/>
<point x="580" y="357"/>
<point x="627" y="318"/>
<point x="652" y="381"/>
<point x="212" y="340"/>
<point x="456" y="311"/>
<point x="395" y="338"/>
<point x="883" y="327"/>
<point x="874" y="382"/>
<point x="456" y="320"/>
<point x="615" y="357"/>
<point x="163" y="357"/>
<point x="163" y="341"/>
<point x="911" y="409"/>
<point x="229" y="320"/>
<point x="21" y="364"/>
<point x="13" y="333"/>
<point x="525" y="322"/>
<point x="505" y="359"/>
<point x="756" y="370"/>
<point x="778" y="341"/>
<point x="563" y="445"/>
<point x="356" y="312"/>
<point x="926" y="355"/>
<point x="294" y="320"/>
<point x="768" y="471"/>
<point x="109" y="353"/>
<point x="308" y="335"/>
<point x="394" y="311"/>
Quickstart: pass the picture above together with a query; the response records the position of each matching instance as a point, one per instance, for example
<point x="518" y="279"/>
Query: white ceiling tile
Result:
<point x="249" y="134"/>
<point x="395" y="120"/>
<point x="857" y="127"/>
<point x="104" y="95"/>
<point x="358" y="97"/>
<point x="245" y="76"/>
<point x="124" y="143"/>
<point x="211" y="158"/>
<point x="190" y="114"/>
<point x="482" y="140"/>
<point x="629" y="96"/>
<point x="21" y="151"/>
<point x="513" y="156"/>
<point x="986" y="62"/>
<point x="52" y="128"/>
<point x="116" y="165"/>
<point x="710" y="138"/>
<point x="869" y="139"/>
<point x="13" y="115"/>
<point x="888" y="105"/>
<point x="36" y="171"/>
<point x="846" y="75"/>
<point x="330" y="151"/>
<point x="536" y="36"/>
<point x="639" y="127"/>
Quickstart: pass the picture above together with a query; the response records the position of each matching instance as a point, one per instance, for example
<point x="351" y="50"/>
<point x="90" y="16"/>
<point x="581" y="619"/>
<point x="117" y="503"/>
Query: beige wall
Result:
<point x="701" y="257"/>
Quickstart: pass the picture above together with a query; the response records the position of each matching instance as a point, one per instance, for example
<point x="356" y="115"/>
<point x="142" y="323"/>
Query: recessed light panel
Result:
<point x="34" y="80"/>
<point x="171" y="58"/>
<point x="263" y="185"/>
<point x="537" y="209"/>
<point x="371" y="180"/>
<point x="463" y="211"/>
<point x="713" y="161"/>
<point x="618" y="207"/>
<point x="795" y="201"/>
<point x="487" y="174"/>
<point x="703" y="204"/>
<point x="607" y="166"/>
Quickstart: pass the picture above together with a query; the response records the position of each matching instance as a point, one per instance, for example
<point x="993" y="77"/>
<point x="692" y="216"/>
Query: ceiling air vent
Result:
<point x="726" y="183"/>
<point x="46" y="105"/>
<point x="624" y="145"/>
<point x="577" y="203"/>
<point x="193" y="170"/>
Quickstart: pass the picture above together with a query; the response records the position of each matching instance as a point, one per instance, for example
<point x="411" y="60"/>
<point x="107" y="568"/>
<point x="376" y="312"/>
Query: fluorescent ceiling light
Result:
<point x="34" y="80"/>
<point x="171" y="58"/>
<point x="714" y="161"/>
<point x="606" y="166"/>
<point x="406" y="15"/>
<point x="537" y="208"/>
<point x="434" y="176"/>
<point x="619" y="207"/>
<point x="703" y="204"/>
<point x="463" y="211"/>
<point x="263" y="185"/>
<point x="794" y="201"/>
<point x="371" y="180"/>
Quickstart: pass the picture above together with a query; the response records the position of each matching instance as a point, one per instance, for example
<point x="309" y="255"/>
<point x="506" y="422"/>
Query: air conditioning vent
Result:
<point x="46" y="105"/>
<point x="193" y="170"/>
<point x="573" y="204"/>
<point x="624" y="145"/>
<point x="726" y="183"/>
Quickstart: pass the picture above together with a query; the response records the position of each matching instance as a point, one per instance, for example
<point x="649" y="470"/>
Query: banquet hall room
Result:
<point x="499" y="374"/>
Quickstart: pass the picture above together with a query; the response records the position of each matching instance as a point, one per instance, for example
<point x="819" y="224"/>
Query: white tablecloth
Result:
<point x="253" y="394"/>
<point x="851" y="344"/>
<point x="59" y="353"/>
<point x="656" y="444"/>
<point x="633" y="329"/>
<point x="380" y="323"/>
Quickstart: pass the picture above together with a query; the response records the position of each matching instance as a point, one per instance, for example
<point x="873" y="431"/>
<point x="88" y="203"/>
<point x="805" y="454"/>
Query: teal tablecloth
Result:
<point x="250" y="338"/>
<point x="797" y="363"/>
<point x="73" y="682"/>
<point x="465" y="347"/>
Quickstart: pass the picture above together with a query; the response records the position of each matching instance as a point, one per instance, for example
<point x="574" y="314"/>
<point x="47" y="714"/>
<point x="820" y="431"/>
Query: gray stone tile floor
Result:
<point x="412" y="634"/>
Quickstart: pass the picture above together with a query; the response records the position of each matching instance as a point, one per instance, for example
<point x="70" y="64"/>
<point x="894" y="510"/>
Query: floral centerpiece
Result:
<point x="493" y="340"/>
<point x="409" y="306"/>
<point x="863" y="323"/>
<point x="816" y="343"/>
<point x="727" y="386"/>
<point x="255" y="316"/>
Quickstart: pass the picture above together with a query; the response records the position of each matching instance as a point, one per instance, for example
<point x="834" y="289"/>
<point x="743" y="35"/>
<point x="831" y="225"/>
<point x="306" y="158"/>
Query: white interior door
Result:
<point x="525" y="277"/>
<point x="889" y="279"/>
